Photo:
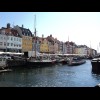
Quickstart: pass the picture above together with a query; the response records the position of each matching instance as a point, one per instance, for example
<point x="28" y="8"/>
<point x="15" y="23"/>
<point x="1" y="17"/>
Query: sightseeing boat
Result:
<point x="74" y="61"/>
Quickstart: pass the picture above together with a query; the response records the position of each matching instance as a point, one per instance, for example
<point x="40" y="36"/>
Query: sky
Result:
<point x="83" y="28"/>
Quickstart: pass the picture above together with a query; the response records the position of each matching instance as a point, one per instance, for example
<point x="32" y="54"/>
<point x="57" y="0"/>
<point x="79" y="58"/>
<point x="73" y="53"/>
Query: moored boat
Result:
<point x="74" y="61"/>
<point x="42" y="62"/>
<point x="5" y="70"/>
<point x="95" y="65"/>
<point x="65" y="61"/>
<point x="3" y="63"/>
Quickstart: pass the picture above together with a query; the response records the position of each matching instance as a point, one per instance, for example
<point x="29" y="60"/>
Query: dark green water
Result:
<point x="55" y="76"/>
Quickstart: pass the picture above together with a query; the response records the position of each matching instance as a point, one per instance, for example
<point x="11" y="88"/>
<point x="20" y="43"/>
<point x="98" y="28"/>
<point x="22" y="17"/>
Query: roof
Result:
<point x="11" y="31"/>
<point x="26" y="32"/>
<point x="50" y="39"/>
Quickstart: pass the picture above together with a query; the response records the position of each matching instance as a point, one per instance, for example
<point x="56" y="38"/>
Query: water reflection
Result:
<point x="55" y="76"/>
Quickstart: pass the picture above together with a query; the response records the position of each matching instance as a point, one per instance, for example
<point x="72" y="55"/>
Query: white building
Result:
<point x="10" y="40"/>
<point x="64" y="48"/>
<point x="3" y="41"/>
<point x="14" y="44"/>
<point x="82" y="49"/>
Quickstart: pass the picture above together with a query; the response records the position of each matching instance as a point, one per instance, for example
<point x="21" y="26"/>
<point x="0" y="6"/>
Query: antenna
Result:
<point x="68" y="46"/>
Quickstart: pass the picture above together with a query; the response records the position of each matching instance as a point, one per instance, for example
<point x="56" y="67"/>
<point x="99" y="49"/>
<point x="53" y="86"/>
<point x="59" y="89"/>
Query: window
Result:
<point x="19" y="45"/>
<point x="7" y="44"/>
<point x="11" y="44"/>
<point x="1" y="43"/>
<point x="4" y="43"/>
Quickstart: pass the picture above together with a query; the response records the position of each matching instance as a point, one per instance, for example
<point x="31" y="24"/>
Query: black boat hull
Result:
<point x="64" y="62"/>
<point x="77" y="63"/>
<point x="95" y="66"/>
<point x="39" y="64"/>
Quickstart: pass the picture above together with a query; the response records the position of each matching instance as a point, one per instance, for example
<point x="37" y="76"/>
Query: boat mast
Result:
<point x="90" y="49"/>
<point x="68" y="45"/>
<point x="35" y="33"/>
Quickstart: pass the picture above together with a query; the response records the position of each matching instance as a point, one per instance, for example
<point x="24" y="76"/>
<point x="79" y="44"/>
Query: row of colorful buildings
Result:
<point x="20" y="39"/>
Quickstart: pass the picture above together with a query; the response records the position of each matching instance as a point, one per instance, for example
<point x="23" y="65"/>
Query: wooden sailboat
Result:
<point x="39" y="61"/>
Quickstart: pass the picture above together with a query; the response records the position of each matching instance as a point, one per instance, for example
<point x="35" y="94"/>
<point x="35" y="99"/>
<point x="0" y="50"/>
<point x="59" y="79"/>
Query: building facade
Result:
<point x="44" y="47"/>
<point x="36" y="44"/>
<point x="26" y="35"/>
<point x="51" y="44"/>
<point x="12" y="42"/>
<point x="3" y="41"/>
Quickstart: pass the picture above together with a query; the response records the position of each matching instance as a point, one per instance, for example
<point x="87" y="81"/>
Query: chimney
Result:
<point x="22" y="26"/>
<point x="51" y="35"/>
<point x="8" y="25"/>
<point x="42" y="36"/>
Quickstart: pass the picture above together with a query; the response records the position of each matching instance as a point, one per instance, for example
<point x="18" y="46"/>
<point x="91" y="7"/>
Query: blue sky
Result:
<point x="81" y="27"/>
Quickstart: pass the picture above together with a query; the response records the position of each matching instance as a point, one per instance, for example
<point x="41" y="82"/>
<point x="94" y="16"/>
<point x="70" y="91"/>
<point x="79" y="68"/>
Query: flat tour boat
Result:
<point x="74" y="61"/>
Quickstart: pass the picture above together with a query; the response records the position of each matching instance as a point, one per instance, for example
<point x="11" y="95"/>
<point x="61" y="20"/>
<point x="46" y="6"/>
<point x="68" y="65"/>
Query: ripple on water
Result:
<point x="55" y="76"/>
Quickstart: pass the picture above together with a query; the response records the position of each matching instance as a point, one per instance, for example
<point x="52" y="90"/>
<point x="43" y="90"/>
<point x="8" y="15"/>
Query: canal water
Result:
<point x="54" y="76"/>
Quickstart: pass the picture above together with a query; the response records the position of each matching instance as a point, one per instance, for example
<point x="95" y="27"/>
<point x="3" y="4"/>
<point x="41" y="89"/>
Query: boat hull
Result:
<point x="95" y="66"/>
<point x="76" y="63"/>
<point x="39" y="64"/>
<point x="64" y="62"/>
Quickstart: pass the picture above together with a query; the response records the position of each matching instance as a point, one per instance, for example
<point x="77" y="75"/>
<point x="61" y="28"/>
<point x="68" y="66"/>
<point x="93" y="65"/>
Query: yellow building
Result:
<point x="26" y="35"/>
<point x="44" y="47"/>
<point x="76" y="50"/>
<point x="26" y="43"/>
